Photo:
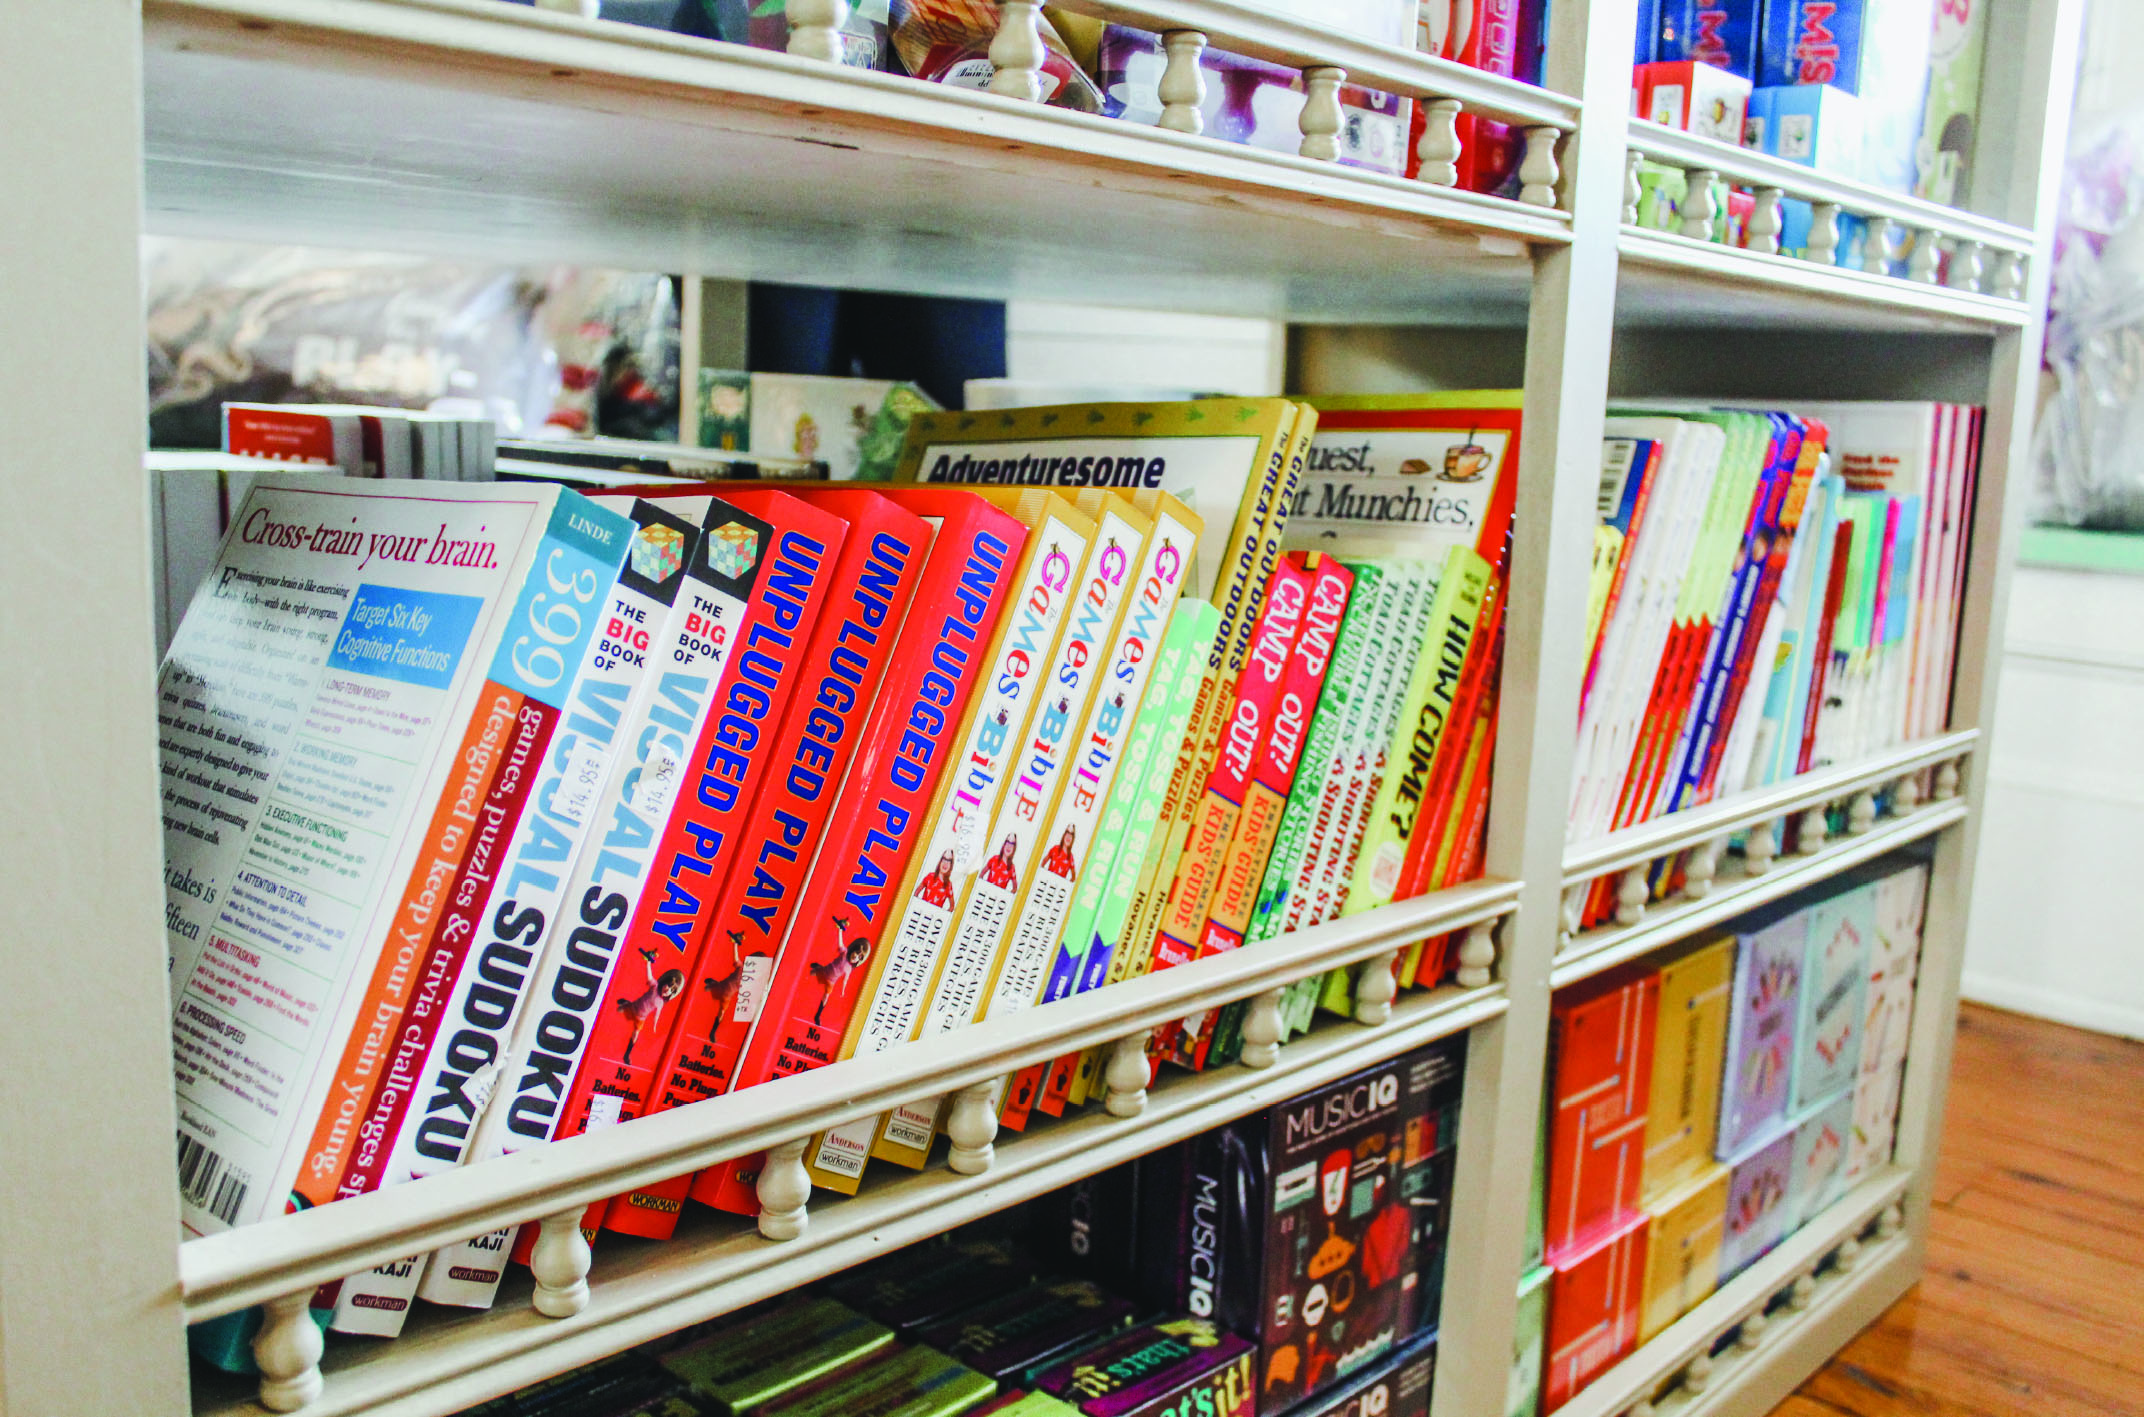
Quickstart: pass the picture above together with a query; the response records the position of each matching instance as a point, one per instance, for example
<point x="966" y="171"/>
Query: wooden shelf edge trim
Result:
<point x="236" y="1268"/>
<point x="661" y="1288"/>
<point x="1732" y="895"/>
<point x="1639" y="1376"/>
<point x="1677" y="831"/>
<point x="1807" y="278"/>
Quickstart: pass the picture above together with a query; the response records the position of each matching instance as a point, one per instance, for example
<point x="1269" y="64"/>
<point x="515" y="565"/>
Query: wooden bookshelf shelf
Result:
<point x="447" y="1360"/>
<point x="1816" y="1289"/>
<point x="476" y="128"/>
<point x="471" y="126"/>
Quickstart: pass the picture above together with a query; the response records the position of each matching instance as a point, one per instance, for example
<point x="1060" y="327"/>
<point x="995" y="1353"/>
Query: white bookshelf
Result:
<point x="470" y="127"/>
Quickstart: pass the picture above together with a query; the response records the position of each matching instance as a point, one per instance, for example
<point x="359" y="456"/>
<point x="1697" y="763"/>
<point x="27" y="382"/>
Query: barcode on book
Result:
<point x="206" y="1182"/>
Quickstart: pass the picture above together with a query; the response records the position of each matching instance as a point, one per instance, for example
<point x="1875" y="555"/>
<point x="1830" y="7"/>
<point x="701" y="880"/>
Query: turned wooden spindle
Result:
<point x="1764" y="223"/>
<point x="1183" y="82"/>
<point x="1699" y="206"/>
<point x="1439" y="145"/>
<point x="815" y="28"/>
<point x="971" y="1124"/>
<point x="784" y="1191"/>
<point x="560" y="1263"/>
<point x="1262" y="1028"/>
<point x="1477" y="957"/>
<point x="1823" y="248"/>
<point x="1538" y="171"/>
<point x="287" y="1351"/>
<point x="1127" y="1075"/>
<point x="1375" y="988"/>
<point x="1017" y="52"/>
<point x="1322" y="117"/>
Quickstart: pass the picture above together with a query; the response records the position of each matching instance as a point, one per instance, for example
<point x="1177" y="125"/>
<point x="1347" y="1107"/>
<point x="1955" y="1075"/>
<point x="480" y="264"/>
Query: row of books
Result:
<point x="1179" y="1283"/>
<point x="1704" y="1108"/>
<point x="497" y="813"/>
<point x="1772" y="592"/>
<point x="1882" y="91"/>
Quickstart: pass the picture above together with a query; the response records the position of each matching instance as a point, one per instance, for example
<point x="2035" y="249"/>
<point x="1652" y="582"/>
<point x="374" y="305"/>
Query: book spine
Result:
<point x="900" y="975"/>
<point x="1258" y="831"/>
<point x="1246" y="725"/>
<point x="1035" y="776"/>
<point x="487" y="1007"/>
<point x="516" y="708"/>
<point x="580" y="962"/>
<point x="1423" y="716"/>
<point x="852" y="888"/>
<point x="1321" y="754"/>
<point x="1453" y="745"/>
<point x="807" y="762"/>
<point x="1022" y="965"/>
<point x="784" y="597"/>
<point x="1250" y="568"/>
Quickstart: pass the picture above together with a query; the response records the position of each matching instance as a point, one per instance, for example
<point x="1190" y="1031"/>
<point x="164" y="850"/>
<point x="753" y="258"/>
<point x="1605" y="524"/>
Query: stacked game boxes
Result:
<point x="1703" y="1108"/>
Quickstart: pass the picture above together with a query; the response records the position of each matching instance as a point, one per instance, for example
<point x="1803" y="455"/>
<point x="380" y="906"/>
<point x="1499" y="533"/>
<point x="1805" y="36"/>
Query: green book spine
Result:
<point x="1327" y="729"/>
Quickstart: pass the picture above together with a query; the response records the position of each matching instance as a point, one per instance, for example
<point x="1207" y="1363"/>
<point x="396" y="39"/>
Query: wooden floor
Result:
<point x="2033" y="1301"/>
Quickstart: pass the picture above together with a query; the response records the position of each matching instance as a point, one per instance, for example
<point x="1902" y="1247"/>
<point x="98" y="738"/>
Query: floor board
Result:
<point x="2033" y="1301"/>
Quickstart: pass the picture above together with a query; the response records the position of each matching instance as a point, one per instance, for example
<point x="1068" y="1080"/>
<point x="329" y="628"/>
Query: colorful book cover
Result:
<point x="1757" y="1198"/>
<point x="1399" y="1386"/>
<point x="1601" y="1052"/>
<point x="1823" y="1134"/>
<point x="899" y="978"/>
<point x="1682" y="1260"/>
<point x="393" y="619"/>
<point x="1689" y="1051"/>
<point x="1023" y="963"/>
<point x="1833" y="1000"/>
<point x="1595" y="1299"/>
<point x="849" y="894"/>
<point x="1759" y="1074"/>
<point x="1427" y="860"/>
<point x="1023" y="1333"/>
<point x="1529" y="1345"/>
<point x="977" y="935"/>
<point x="1875" y="1126"/>
<point x="1210" y="454"/>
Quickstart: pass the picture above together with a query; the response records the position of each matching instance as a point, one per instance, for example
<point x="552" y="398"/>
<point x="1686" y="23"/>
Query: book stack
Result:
<point x="1703" y="1108"/>
<point x="621" y="800"/>
<point x="1773" y="592"/>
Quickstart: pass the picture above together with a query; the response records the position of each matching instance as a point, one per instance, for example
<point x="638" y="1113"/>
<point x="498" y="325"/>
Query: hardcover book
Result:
<point x="1689" y="1050"/>
<point x="1758" y="1077"/>
<point x="1600" y="1070"/>
<point x="1595" y="1299"/>
<point x="1682" y="1260"/>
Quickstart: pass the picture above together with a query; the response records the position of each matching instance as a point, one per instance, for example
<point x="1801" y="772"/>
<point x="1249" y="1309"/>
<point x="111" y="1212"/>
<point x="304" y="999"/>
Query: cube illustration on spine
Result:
<point x="1759" y="1075"/>
<point x="1834" y="995"/>
<point x="1763" y="1172"/>
<point x="1696" y="97"/>
<point x="1689" y="1051"/>
<point x="1682" y="1261"/>
<point x="1823" y="1135"/>
<point x="1594" y="1300"/>
<point x="1601" y="1041"/>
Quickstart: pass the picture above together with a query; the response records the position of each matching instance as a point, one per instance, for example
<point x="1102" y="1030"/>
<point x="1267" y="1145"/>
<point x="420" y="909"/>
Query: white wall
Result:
<point x="1084" y="344"/>
<point x="2057" y="924"/>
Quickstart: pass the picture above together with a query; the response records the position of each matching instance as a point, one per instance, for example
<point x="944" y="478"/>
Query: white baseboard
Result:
<point x="2119" y="1019"/>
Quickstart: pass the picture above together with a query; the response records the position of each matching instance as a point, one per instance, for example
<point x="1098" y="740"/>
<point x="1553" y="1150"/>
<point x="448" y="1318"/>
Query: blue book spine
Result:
<point x="1718" y="32"/>
<point x="1811" y="42"/>
<point x="1648" y="46"/>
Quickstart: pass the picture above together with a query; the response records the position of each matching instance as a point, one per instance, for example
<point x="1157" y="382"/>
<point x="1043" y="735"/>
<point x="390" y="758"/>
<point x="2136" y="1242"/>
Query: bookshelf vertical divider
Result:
<point x="91" y="1308"/>
<point x="89" y="1299"/>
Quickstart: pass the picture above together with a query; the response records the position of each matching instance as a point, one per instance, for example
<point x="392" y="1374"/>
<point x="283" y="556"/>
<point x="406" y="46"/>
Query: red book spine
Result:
<point x="1470" y="844"/>
<point x="1820" y="666"/>
<point x="880" y="816"/>
<point x="698" y="848"/>
<point x="873" y="586"/>
<point x="1453" y="748"/>
<point x="881" y="564"/>
<point x="779" y="548"/>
